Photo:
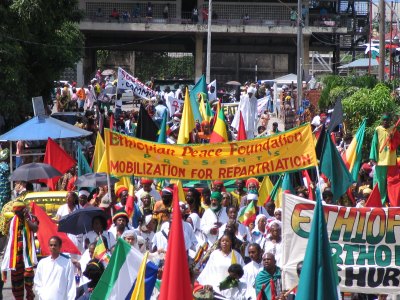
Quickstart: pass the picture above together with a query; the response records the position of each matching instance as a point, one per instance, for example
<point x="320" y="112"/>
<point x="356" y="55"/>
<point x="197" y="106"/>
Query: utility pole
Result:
<point x="208" y="59"/>
<point x="382" y="51"/>
<point x="299" y="54"/>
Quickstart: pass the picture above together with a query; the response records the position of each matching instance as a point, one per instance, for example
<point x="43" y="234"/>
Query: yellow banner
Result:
<point x="287" y="151"/>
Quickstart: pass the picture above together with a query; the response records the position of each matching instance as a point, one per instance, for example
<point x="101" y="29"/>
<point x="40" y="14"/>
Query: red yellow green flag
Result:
<point x="353" y="156"/>
<point x="248" y="214"/>
<point x="276" y="193"/>
<point x="219" y="134"/>
<point x="264" y="191"/>
<point x="187" y="122"/>
<point x="100" y="252"/>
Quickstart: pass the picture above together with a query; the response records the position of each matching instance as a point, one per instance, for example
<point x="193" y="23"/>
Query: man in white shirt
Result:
<point x="54" y="278"/>
<point x="160" y="110"/>
<point x="252" y="269"/>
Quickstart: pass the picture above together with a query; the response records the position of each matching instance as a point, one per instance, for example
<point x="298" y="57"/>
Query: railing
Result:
<point x="225" y="13"/>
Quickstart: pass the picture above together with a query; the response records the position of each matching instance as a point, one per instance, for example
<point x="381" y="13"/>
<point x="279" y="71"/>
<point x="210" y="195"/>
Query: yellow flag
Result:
<point x="279" y="196"/>
<point x="233" y="258"/>
<point x="138" y="292"/>
<point x="124" y="181"/>
<point x="181" y="193"/>
<point x="103" y="164"/>
<point x="264" y="191"/>
<point x="98" y="153"/>
<point x="202" y="108"/>
<point x="187" y="121"/>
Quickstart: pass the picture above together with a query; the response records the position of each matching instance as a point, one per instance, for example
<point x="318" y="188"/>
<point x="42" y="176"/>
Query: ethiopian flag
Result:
<point x="248" y="214"/>
<point x="100" y="252"/>
<point x="219" y="134"/>
<point x="265" y="191"/>
<point x="353" y="156"/>
<point x="276" y="192"/>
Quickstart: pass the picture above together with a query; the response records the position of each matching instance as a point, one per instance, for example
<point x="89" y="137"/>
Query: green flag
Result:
<point x="317" y="277"/>
<point x="200" y="87"/>
<point x="83" y="165"/>
<point x="162" y="135"/>
<point x="333" y="167"/>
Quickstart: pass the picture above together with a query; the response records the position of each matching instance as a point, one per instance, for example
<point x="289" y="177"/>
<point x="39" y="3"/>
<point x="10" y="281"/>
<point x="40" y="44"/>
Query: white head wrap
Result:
<point x="195" y="220"/>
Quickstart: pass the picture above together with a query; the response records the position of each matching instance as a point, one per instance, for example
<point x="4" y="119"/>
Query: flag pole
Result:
<point x="318" y="183"/>
<point x="107" y="143"/>
<point x="208" y="55"/>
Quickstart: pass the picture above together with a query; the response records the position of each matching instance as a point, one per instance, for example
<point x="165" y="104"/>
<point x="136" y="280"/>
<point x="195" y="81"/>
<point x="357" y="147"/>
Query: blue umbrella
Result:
<point x="41" y="128"/>
<point x="80" y="221"/>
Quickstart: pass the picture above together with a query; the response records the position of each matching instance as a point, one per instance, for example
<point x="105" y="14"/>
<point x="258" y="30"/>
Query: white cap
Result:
<point x="83" y="193"/>
<point x="251" y="90"/>
<point x="252" y="197"/>
<point x="105" y="201"/>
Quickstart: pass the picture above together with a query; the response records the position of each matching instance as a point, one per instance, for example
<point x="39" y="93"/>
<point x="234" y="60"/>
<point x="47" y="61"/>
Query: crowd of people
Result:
<point x="226" y="257"/>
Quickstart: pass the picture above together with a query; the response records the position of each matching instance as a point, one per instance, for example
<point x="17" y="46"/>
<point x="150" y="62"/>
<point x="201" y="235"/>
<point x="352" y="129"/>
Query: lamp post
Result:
<point x="299" y="54"/>
<point x="208" y="56"/>
<point x="381" y="69"/>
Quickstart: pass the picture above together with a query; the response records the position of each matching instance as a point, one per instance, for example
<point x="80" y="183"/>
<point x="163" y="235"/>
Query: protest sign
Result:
<point x="173" y="105"/>
<point x="288" y="151"/>
<point x="230" y="108"/>
<point x="365" y="240"/>
<point x="128" y="82"/>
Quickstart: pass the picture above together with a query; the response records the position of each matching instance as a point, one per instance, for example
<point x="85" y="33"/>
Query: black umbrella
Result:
<point x="94" y="180"/>
<point x="80" y="221"/>
<point x="34" y="171"/>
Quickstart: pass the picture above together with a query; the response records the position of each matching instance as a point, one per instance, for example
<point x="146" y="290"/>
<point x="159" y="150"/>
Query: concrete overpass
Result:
<point x="270" y="43"/>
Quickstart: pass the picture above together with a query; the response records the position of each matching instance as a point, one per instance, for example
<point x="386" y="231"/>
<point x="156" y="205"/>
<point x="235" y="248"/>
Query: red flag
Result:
<point x="242" y="130"/>
<point x="176" y="279"/>
<point x="130" y="202"/>
<point x="111" y="122"/>
<point x="57" y="158"/>
<point x="374" y="200"/>
<point x="47" y="229"/>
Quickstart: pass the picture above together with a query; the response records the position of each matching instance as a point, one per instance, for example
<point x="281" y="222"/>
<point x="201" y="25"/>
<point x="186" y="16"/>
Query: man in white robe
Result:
<point x="252" y="269"/>
<point x="213" y="218"/>
<point x="248" y="107"/>
<point x="55" y="276"/>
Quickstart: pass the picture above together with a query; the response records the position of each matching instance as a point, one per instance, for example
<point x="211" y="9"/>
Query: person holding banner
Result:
<point x="383" y="155"/>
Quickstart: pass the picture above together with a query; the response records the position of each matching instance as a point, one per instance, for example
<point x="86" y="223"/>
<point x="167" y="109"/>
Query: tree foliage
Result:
<point x="38" y="40"/>
<point x="347" y="85"/>
<point x="362" y="97"/>
<point x="369" y="104"/>
<point x="162" y="66"/>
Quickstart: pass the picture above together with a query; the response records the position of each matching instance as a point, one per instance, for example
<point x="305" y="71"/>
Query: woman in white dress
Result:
<point x="273" y="243"/>
<point x="216" y="269"/>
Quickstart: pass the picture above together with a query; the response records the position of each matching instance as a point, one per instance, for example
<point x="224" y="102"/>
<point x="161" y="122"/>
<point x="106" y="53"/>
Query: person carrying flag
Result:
<point x="383" y="155"/>
<point x="20" y="254"/>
